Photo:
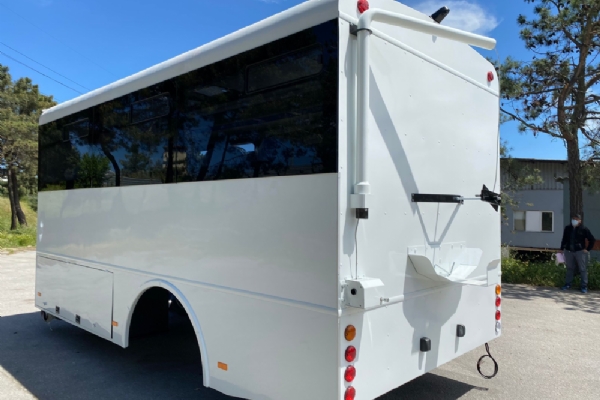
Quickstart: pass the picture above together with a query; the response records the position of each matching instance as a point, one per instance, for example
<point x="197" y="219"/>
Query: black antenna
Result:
<point x="440" y="14"/>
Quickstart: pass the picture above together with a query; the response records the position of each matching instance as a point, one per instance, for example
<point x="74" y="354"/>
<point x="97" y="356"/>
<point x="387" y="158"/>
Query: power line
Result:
<point x="39" y="63"/>
<point x="41" y="73"/>
<point x="64" y="44"/>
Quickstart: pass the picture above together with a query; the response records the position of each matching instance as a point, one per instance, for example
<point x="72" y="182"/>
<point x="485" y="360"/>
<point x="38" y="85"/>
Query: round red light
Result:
<point x="498" y="301"/>
<point x="363" y="5"/>
<point x="350" y="374"/>
<point x="350" y="353"/>
<point x="498" y="315"/>
<point x="490" y="76"/>
<point x="350" y="393"/>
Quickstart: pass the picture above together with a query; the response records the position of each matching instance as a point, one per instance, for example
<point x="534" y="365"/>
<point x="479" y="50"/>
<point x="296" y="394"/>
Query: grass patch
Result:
<point x="545" y="273"/>
<point x="23" y="237"/>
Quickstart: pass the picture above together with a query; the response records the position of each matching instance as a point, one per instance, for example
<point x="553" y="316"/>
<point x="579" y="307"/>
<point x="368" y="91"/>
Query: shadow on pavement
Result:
<point x="431" y="387"/>
<point x="572" y="299"/>
<point x="60" y="361"/>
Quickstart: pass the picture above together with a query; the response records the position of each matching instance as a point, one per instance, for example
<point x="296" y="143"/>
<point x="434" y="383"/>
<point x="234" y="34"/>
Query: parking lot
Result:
<point x="550" y="349"/>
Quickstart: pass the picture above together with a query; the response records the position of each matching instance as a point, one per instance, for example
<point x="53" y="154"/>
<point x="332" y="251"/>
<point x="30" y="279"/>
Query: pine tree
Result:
<point x="20" y="107"/>
<point x="556" y="92"/>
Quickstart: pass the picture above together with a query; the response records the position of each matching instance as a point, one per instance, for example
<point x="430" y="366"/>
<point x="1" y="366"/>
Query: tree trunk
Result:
<point x="11" y="198"/>
<point x="575" y="181"/>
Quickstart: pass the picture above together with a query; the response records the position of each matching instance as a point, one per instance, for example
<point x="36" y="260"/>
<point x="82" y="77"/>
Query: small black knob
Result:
<point x="461" y="330"/>
<point x="425" y="344"/>
<point x="353" y="291"/>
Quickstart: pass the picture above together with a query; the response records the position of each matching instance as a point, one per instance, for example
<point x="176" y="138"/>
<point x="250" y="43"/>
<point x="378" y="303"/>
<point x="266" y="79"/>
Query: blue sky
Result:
<point x="94" y="43"/>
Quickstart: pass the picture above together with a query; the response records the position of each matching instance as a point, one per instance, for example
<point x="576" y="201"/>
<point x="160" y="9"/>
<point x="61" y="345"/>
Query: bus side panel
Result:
<point x="76" y="291"/>
<point x="388" y="338"/>
<point x="254" y="347"/>
<point x="269" y="236"/>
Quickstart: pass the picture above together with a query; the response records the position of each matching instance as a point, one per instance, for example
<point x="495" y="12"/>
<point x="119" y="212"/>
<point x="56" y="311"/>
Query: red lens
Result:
<point x="350" y="393"/>
<point x="498" y="315"/>
<point x="350" y="374"/>
<point x="350" y="353"/>
<point x="490" y="76"/>
<point x="498" y="301"/>
<point x="363" y="5"/>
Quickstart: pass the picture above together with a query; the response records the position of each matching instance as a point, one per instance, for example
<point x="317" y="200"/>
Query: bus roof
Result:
<point x="302" y="16"/>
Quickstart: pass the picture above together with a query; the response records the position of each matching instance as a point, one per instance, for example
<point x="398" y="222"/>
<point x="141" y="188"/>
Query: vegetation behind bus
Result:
<point x="20" y="107"/>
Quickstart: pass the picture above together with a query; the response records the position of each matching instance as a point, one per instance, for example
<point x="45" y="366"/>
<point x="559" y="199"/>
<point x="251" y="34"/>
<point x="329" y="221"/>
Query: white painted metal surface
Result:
<point x="264" y="267"/>
<point x="78" y="291"/>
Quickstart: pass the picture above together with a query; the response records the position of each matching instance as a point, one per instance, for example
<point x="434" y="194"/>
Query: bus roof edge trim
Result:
<point x="288" y="22"/>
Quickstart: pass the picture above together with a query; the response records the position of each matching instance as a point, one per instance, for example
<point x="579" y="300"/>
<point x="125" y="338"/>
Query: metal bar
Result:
<point x="437" y="198"/>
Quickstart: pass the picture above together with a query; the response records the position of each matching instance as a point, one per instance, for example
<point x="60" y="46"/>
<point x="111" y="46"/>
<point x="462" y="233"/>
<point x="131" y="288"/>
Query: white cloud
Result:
<point x="466" y="15"/>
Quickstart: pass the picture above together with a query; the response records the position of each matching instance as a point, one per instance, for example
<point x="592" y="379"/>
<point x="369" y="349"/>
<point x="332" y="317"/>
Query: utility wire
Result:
<point x="48" y="68"/>
<point x="41" y="73"/>
<point x="64" y="44"/>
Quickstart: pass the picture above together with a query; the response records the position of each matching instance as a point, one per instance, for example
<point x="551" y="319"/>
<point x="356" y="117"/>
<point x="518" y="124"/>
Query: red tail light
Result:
<point x="363" y="5"/>
<point x="498" y="315"/>
<point x="350" y="353"/>
<point x="350" y="393"/>
<point x="498" y="301"/>
<point x="490" y="76"/>
<point x="350" y="374"/>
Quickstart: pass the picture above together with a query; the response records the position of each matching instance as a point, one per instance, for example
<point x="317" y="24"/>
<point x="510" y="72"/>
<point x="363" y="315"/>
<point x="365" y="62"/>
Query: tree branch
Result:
<point x="530" y="125"/>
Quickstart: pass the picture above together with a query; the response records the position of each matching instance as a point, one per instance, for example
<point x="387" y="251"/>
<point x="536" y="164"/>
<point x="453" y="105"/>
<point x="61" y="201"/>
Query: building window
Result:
<point x="533" y="221"/>
<point x="547" y="221"/>
<point x="519" y="221"/>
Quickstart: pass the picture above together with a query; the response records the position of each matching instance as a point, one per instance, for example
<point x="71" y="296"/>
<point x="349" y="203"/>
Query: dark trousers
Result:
<point x="577" y="260"/>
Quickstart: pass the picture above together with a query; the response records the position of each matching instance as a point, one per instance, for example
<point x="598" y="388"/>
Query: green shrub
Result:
<point x="545" y="273"/>
<point x="33" y="202"/>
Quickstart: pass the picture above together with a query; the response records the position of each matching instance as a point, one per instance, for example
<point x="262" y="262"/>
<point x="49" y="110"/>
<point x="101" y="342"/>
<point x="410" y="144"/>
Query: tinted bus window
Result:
<point x="285" y="69"/>
<point x="271" y="111"/>
<point x="64" y="161"/>
<point x="285" y="123"/>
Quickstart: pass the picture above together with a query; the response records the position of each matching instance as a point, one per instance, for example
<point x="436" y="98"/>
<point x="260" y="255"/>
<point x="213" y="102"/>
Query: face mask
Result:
<point x="574" y="222"/>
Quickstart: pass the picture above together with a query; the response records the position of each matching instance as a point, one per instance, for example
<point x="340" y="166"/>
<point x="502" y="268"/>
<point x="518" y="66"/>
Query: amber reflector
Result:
<point x="350" y="333"/>
<point x="498" y="290"/>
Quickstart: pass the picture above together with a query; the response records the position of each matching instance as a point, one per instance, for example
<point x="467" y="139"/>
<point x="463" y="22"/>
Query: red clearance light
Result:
<point x="490" y="76"/>
<point x="363" y="5"/>
<point x="350" y="393"/>
<point x="498" y="315"/>
<point x="350" y="353"/>
<point x="498" y="301"/>
<point x="350" y="374"/>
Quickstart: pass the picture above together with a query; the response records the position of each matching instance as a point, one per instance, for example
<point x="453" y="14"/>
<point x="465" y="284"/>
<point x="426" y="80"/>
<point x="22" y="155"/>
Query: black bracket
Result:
<point x="437" y="198"/>
<point x="354" y="30"/>
<point x="488" y="196"/>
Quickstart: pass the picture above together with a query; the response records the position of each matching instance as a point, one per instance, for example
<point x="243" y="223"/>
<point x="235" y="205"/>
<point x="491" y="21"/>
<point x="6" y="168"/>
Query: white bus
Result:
<point x="305" y="188"/>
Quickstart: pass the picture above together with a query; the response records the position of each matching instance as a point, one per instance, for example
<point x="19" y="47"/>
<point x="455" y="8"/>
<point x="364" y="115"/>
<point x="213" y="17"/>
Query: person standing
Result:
<point x="576" y="252"/>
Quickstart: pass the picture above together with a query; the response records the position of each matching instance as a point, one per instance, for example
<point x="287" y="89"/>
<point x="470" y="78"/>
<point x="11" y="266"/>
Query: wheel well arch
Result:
<point x="163" y="284"/>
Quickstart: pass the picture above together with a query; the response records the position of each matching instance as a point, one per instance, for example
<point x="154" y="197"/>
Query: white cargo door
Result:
<point x="80" y="295"/>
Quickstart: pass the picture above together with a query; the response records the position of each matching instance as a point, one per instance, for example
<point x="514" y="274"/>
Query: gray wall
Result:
<point x="535" y="200"/>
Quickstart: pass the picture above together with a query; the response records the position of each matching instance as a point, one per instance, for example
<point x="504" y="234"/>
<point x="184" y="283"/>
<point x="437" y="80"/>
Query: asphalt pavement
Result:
<point x="550" y="349"/>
